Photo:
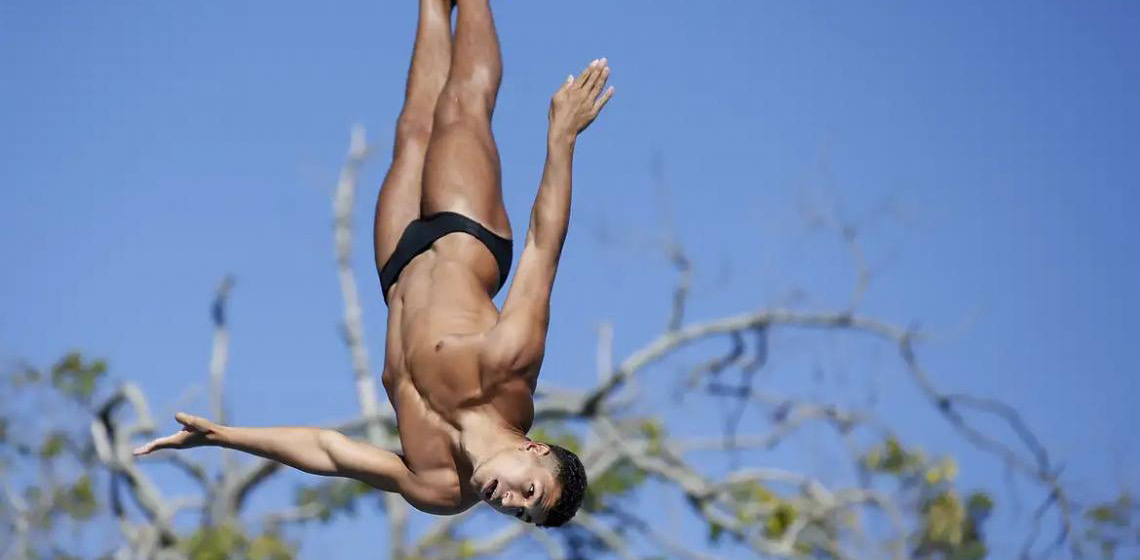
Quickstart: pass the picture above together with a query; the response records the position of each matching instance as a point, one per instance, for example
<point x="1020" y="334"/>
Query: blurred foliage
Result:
<point x="616" y="482"/>
<point x="947" y="527"/>
<point x="48" y="463"/>
<point x="225" y="542"/>
<point x="56" y="487"/>
<point x="47" y="466"/>
<point x="76" y="379"/>
<point x="331" y="497"/>
<point x="1112" y="527"/>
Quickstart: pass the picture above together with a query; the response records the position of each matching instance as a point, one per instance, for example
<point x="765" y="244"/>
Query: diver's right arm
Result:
<point x="316" y="451"/>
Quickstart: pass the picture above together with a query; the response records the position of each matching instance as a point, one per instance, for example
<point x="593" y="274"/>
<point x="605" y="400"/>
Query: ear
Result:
<point x="537" y="447"/>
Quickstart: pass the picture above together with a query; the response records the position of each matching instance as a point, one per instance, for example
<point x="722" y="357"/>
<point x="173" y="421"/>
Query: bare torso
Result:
<point x="435" y="367"/>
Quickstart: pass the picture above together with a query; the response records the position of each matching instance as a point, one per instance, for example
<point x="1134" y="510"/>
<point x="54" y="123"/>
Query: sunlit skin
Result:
<point x="459" y="372"/>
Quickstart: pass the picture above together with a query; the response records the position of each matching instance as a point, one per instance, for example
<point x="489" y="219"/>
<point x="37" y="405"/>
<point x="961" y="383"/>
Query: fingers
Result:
<point x="157" y="444"/>
<point x="599" y="82"/>
<point x="584" y="77"/>
<point x="592" y="75"/>
<point x="144" y="449"/>
<point x="601" y="102"/>
<point x="196" y="422"/>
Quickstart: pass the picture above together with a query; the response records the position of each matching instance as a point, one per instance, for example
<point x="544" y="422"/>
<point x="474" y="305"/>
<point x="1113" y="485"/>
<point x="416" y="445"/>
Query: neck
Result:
<point x="482" y="436"/>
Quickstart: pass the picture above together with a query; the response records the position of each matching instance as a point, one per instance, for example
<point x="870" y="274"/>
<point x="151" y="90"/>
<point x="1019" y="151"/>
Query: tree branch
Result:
<point x="353" y="327"/>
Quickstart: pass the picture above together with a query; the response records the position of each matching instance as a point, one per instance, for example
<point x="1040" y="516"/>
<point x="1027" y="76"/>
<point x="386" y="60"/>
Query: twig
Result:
<point x="219" y="355"/>
<point x="612" y="540"/>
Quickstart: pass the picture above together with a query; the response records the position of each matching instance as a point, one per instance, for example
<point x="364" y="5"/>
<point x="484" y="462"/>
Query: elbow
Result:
<point x="329" y="442"/>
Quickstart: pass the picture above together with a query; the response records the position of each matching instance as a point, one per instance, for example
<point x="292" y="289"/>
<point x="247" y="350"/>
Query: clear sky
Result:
<point x="149" y="148"/>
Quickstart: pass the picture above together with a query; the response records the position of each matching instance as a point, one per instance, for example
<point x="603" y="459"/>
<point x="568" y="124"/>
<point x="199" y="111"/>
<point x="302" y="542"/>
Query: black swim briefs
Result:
<point x="420" y="234"/>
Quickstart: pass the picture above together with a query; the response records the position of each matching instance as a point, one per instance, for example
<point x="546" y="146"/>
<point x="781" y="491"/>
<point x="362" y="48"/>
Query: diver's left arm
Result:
<point x="518" y="342"/>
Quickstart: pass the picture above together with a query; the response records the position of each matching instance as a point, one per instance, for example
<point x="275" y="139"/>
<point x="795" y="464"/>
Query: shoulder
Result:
<point x="439" y="492"/>
<point x="515" y="346"/>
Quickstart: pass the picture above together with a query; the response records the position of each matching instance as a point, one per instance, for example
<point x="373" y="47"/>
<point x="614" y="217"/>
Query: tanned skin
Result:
<point x="460" y="373"/>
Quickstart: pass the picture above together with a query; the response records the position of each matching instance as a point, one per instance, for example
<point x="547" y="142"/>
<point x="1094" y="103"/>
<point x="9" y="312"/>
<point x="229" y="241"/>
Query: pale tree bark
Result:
<point x="620" y="432"/>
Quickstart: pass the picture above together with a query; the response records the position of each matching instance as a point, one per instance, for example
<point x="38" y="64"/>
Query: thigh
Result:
<point x="462" y="174"/>
<point x="398" y="203"/>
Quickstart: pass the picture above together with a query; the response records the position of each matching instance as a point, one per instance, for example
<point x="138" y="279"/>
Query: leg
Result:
<point x="399" y="200"/>
<point x="462" y="172"/>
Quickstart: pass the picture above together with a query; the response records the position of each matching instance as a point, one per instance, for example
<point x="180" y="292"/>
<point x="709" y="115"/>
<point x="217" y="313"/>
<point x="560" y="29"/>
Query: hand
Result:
<point x="195" y="432"/>
<point x="578" y="102"/>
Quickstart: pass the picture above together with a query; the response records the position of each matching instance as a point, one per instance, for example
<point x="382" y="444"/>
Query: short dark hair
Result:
<point x="571" y="475"/>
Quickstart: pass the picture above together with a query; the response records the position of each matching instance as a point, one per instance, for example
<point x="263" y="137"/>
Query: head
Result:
<point x="535" y="482"/>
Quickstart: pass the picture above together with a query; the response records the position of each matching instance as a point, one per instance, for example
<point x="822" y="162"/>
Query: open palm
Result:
<point x="195" y="432"/>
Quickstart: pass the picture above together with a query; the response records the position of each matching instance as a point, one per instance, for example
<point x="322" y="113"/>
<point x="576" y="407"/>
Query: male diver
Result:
<point x="460" y="373"/>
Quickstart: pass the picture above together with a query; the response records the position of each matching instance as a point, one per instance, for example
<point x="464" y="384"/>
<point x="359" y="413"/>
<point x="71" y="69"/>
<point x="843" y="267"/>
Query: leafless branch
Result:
<point x="612" y="540"/>
<point x="553" y="550"/>
<point x="219" y="355"/>
<point x="353" y="327"/>
<point x="112" y="446"/>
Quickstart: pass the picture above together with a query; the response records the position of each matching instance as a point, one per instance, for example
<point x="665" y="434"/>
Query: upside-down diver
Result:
<point x="460" y="373"/>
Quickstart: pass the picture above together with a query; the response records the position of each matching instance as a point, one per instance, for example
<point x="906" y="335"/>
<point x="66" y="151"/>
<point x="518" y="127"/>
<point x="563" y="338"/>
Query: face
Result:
<point x="520" y="482"/>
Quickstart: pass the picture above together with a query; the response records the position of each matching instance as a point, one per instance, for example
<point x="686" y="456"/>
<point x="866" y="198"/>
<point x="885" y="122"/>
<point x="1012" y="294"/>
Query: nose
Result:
<point x="509" y="499"/>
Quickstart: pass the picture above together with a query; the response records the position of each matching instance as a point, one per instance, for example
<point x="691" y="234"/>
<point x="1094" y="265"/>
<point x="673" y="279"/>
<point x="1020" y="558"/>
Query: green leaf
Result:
<point x="332" y="497"/>
<point x="213" y="543"/>
<point x="619" y="479"/>
<point x="979" y="505"/>
<point x="76" y="379"/>
<point x="465" y="549"/>
<point x="945" y="471"/>
<point x="53" y="445"/>
<point x="944" y="520"/>
<point x="716" y="531"/>
<point x="653" y="431"/>
<point x="752" y="491"/>
<point x="79" y="500"/>
<point x="778" y="522"/>
<point x="269" y="546"/>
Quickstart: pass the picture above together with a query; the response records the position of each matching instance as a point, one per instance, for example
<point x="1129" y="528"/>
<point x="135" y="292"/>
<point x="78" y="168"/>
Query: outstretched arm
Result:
<point x="519" y="339"/>
<point x="316" y="451"/>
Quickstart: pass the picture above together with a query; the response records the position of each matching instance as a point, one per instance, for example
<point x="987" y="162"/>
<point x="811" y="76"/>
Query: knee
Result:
<point x="458" y="101"/>
<point x="412" y="132"/>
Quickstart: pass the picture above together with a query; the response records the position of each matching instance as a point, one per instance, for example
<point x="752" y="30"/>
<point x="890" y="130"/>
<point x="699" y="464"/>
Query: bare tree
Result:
<point x="889" y="500"/>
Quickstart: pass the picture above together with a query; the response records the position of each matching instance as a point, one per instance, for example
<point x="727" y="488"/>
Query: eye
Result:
<point x="529" y="491"/>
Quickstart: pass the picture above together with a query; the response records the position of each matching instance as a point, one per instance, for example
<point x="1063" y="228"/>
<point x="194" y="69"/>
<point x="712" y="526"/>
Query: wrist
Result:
<point x="556" y="139"/>
<point x="219" y="435"/>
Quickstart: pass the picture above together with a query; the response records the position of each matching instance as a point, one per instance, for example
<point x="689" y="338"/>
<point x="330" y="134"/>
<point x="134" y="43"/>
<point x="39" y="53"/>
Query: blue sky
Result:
<point x="150" y="148"/>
